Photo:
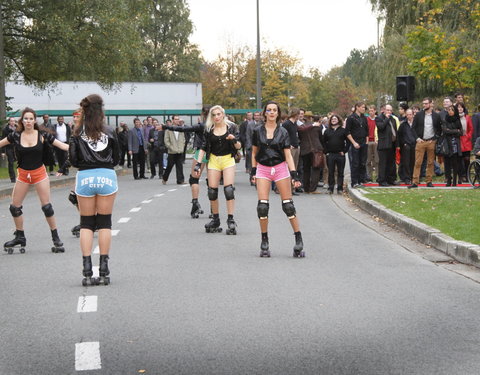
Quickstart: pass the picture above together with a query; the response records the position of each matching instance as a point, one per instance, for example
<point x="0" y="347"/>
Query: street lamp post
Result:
<point x="259" y="78"/>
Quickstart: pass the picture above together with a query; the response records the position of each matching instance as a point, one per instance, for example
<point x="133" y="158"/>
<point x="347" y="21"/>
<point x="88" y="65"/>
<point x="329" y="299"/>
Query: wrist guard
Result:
<point x="294" y="175"/>
<point x="197" y="167"/>
<point x="253" y="172"/>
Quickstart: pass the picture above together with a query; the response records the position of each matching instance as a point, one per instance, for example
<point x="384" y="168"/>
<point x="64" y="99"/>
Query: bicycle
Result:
<point x="474" y="173"/>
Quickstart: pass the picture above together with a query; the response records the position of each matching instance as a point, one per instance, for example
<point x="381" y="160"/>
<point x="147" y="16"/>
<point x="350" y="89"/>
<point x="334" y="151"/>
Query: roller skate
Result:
<point x="196" y="209"/>
<point x="298" y="248"/>
<point x="19" y="241"/>
<point x="264" y="248"/>
<point x="57" y="244"/>
<point x="231" y="226"/>
<point x="103" y="271"/>
<point x="87" y="272"/>
<point x="214" y="225"/>
<point x="76" y="230"/>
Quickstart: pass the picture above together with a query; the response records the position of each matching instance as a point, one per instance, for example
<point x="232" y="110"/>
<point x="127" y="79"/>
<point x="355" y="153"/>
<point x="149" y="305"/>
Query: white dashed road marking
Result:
<point x="115" y="232"/>
<point x="124" y="220"/>
<point x="147" y="201"/>
<point x="135" y="209"/>
<point x="96" y="250"/>
<point x="159" y="195"/>
<point x="173" y="190"/>
<point x="87" y="356"/>
<point x="95" y="271"/>
<point x="87" y="304"/>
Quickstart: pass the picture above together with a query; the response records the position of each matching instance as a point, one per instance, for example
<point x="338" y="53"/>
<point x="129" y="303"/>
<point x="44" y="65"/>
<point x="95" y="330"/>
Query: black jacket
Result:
<point x="292" y="130"/>
<point x="209" y="136"/>
<point x="357" y="126"/>
<point x="270" y="152"/>
<point x="160" y="140"/>
<point x="406" y="136"/>
<point x="419" y="124"/>
<point x="384" y="132"/>
<point x="452" y="130"/>
<point x="86" y="154"/>
<point x="335" y="140"/>
<point x="198" y="129"/>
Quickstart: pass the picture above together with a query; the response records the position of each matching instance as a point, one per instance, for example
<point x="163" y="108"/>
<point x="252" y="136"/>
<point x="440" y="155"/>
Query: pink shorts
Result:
<point x="276" y="173"/>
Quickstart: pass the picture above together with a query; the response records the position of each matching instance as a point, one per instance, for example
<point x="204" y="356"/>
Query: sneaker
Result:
<point x="164" y="182"/>
<point x="429" y="184"/>
<point x="412" y="186"/>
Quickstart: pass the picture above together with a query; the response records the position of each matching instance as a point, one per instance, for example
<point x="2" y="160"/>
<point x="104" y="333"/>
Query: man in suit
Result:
<point x="137" y="148"/>
<point x="427" y="127"/>
<point x="387" y="125"/>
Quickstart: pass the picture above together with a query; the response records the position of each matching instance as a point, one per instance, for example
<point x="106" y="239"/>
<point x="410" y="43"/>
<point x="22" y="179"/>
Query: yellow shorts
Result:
<point x="219" y="163"/>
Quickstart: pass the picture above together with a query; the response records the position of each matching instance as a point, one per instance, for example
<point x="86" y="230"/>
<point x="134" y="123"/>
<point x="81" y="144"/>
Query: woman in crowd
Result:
<point x="335" y="143"/>
<point x="452" y="130"/>
<point x="272" y="161"/>
<point x="94" y="150"/>
<point x="219" y="147"/>
<point x="465" y="139"/>
<point x="30" y="144"/>
<point x="199" y="130"/>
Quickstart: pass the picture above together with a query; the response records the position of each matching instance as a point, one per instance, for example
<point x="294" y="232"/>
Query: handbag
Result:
<point x="318" y="159"/>
<point x="442" y="147"/>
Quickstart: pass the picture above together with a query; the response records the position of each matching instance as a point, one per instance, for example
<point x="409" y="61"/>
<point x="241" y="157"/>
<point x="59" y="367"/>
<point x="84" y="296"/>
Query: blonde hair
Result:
<point x="209" y="123"/>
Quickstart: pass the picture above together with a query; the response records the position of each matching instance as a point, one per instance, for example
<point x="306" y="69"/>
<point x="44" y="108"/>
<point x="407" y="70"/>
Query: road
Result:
<point x="182" y="301"/>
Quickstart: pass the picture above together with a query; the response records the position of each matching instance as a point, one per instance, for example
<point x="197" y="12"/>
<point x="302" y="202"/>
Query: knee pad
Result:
<point x="87" y="222"/>
<point x="192" y="180"/>
<point x="16" y="211"/>
<point x="72" y="197"/>
<point x="289" y="208"/>
<point x="48" y="210"/>
<point x="262" y="209"/>
<point x="212" y="194"/>
<point x="103" y="221"/>
<point x="229" y="191"/>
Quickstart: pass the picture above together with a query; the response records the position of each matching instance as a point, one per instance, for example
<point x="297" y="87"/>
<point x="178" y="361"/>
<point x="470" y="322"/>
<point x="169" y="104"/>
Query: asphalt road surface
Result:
<point x="182" y="301"/>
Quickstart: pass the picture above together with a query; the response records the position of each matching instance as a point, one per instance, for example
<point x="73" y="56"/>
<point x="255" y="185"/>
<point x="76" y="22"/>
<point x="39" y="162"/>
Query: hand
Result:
<point x="196" y="169"/>
<point x="58" y="174"/>
<point x="296" y="184"/>
<point x="130" y="152"/>
<point x="356" y="145"/>
<point x="420" y="140"/>
<point x="231" y="137"/>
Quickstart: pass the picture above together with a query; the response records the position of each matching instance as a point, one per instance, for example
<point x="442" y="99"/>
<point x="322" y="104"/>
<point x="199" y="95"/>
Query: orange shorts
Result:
<point x="32" y="177"/>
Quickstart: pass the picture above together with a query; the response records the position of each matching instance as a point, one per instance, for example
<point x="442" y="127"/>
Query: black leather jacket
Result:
<point x="209" y="136"/>
<point x="86" y="154"/>
<point x="270" y="151"/>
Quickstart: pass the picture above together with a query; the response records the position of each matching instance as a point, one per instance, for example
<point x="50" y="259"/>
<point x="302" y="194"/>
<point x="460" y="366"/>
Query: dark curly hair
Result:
<point x="93" y="117"/>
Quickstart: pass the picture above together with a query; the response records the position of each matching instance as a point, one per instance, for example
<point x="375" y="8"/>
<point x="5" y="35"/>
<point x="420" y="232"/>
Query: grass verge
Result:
<point x="453" y="212"/>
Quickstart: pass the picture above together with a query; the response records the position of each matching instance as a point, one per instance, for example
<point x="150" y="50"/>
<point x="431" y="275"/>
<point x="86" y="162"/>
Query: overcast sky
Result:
<point x="321" y="32"/>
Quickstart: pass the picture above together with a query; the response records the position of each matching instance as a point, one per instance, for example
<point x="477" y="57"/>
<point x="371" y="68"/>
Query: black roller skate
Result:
<point x="196" y="209"/>
<point x="264" y="247"/>
<point x="87" y="272"/>
<point x="231" y="226"/>
<point x="57" y="244"/>
<point x="214" y="225"/>
<point x="103" y="271"/>
<point x="76" y="230"/>
<point x="19" y="241"/>
<point x="298" y="248"/>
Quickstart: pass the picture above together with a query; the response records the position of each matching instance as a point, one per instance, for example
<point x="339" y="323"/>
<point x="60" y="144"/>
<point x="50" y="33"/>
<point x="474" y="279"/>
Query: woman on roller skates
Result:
<point x="199" y="130"/>
<point x="272" y="161"/>
<point x="29" y="143"/>
<point x="94" y="150"/>
<point x="220" y="146"/>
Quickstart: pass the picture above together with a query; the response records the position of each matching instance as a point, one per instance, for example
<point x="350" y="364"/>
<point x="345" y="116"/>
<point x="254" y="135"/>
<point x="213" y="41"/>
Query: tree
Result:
<point x="48" y="40"/>
<point x="167" y="54"/>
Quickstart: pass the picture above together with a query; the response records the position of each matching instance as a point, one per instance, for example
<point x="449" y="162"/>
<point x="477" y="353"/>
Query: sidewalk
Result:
<point x="464" y="252"/>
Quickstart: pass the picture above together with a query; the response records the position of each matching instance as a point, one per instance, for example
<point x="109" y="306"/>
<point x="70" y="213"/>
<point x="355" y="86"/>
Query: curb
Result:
<point x="464" y="252"/>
